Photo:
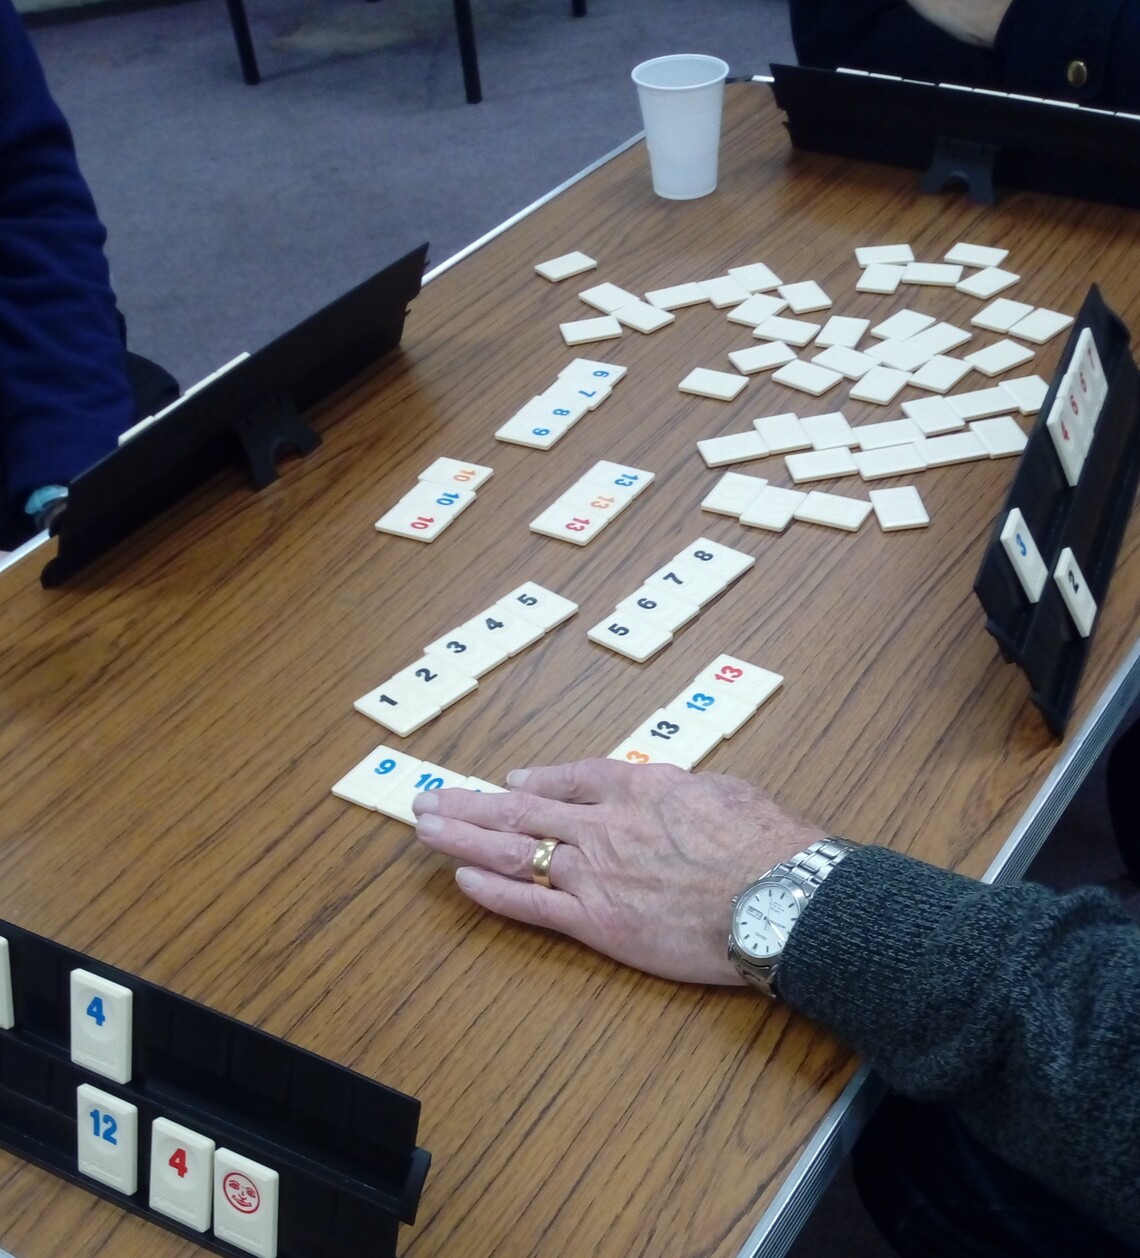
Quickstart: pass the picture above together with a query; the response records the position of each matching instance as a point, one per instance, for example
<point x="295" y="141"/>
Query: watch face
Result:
<point x="763" y="919"/>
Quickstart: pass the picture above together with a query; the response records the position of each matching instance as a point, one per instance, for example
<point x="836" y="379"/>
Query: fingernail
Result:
<point x="468" y="879"/>
<point x="518" y="777"/>
<point x="429" y="825"/>
<point x="425" y="801"/>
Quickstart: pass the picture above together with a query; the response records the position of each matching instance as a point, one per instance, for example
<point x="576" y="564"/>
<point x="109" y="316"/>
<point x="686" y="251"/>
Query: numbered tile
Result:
<point x="833" y="510"/>
<point x="457" y="473"/>
<point x="764" y="357"/>
<point x="714" y="558"/>
<point x="245" y="1203"/>
<point x="629" y="636"/>
<point x="1086" y="359"/>
<point x="1001" y="437"/>
<point x="772" y="508"/>
<point x="689" y="582"/>
<point x="583" y="331"/>
<point x="523" y="430"/>
<point x="717" y="711"/>
<point x="482" y="787"/>
<point x="563" y="267"/>
<point x="640" y="751"/>
<point x="505" y="626"/>
<point x="442" y="683"/>
<point x="181" y="1174"/>
<point x="399" y="708"/>
<point x="539" y="605"/>
<point x="658" y="607"/>
<point x="676" y="296"/>
<point x="570" y="522"/>
<point x="733" y="447"/>
<point x="687" y="737"/>
<point x="738" y="680"/>
<point x="575" y="396"/>
<point x="589" y="369"/>
<point x="425" y="512"/>
<point x="101" y="1022"/>
<point x="721" y="385"/>
<point x="755" y="277"/>
<point x="7" y="1011"/>
<point x="903" y="324"/>
<point x="732" y="494"/>
<point x="1075" y="591"/>
<point x="469" y="653"/>
<point x="608" y="298"/>
<point x="1065" y="442"/>
<point x="1018" y="543"/>
<point x="618" y="479"/>
<point x="107" y="1144"/>
<point x="782" y="434"/>
<point x="900" y="508"/>
<point x="434" y="777"/>
<point x="378" y="774"/>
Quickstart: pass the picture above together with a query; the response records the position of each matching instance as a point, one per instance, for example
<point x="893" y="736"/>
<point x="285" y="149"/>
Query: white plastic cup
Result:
<point x="681" y="99"/>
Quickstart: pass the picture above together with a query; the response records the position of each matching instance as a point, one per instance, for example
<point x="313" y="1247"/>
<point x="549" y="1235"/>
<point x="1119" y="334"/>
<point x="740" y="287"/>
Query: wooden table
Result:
<point x="173" y="720"/>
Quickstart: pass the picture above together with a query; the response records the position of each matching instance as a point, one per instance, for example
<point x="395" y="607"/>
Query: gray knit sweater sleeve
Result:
<point x="1017" y="1005"/>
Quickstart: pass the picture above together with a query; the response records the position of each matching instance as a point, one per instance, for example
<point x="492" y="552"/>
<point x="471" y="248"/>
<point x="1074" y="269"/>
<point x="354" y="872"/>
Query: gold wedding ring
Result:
<point x="540" y="863"/>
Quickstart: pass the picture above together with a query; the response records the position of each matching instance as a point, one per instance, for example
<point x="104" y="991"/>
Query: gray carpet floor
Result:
<point x="233" y="212"/>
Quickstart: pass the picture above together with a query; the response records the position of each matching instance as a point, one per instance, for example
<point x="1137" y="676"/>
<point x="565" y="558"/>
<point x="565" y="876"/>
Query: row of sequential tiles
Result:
<point x="712" y="707"/>
<point x="442" y="492"/>
<point x="581" y="512"/>
<point x="1077" y="406"/>
<point x="643" y="622"/>
<point x="582" y="385"/>
<point x="386" y="781"/>
<point x="190" y="1181"/>
<point x="1025" y="556"/>
<point x="451" y="665"/>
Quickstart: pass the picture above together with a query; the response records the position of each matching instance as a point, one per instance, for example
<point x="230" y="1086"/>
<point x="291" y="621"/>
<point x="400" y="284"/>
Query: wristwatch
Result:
<point x="764" y="913"/>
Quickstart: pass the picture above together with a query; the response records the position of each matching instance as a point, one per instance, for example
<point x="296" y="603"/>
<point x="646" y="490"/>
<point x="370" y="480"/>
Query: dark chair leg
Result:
<point x="244" y="40"/>
<point x="578" y="8"/>
<point x="465" y="29"/>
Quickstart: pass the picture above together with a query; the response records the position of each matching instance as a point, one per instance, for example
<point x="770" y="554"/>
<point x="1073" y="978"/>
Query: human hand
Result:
<point x="972" y="21"/>
<point x="648" y="860"/>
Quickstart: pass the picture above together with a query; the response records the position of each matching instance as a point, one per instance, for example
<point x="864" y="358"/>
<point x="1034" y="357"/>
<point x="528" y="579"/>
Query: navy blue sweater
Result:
<point x="1036" y="43"/>
<point x="64" y="396"/>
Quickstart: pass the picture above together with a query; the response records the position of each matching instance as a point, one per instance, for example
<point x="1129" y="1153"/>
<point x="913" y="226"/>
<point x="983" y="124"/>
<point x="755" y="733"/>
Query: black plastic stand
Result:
<point x="1089" y="517"/>
<point x="343" y="1146"/>
<point x="1047" y="146"/>
<point x="243" y="418"/>
<point x="961" y="162"/>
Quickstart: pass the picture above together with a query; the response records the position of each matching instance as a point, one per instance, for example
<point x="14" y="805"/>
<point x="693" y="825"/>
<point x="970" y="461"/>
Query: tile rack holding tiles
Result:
<point x="235" y="1140"/>
<point x="1071" y="511"/>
